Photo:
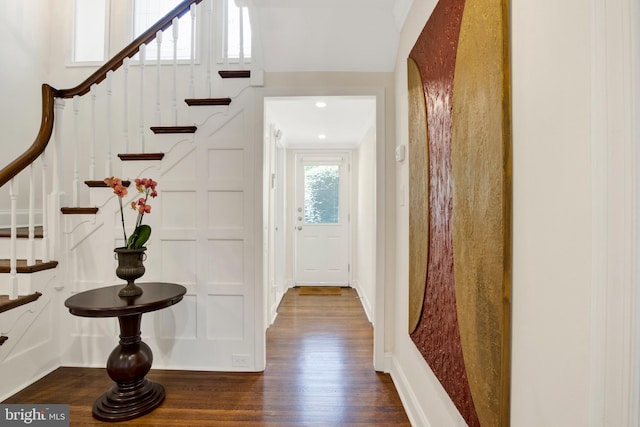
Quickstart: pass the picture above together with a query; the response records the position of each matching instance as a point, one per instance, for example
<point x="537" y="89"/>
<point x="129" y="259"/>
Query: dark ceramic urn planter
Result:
<point x="130" y="268"/>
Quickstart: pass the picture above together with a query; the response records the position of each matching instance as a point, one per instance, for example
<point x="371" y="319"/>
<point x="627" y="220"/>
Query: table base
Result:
<point x="125" y="403"/>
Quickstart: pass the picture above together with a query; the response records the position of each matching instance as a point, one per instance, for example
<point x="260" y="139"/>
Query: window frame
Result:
<point x="117" y="14"/>
<point x="221" y="12"/>
<point x="135" y="60"/>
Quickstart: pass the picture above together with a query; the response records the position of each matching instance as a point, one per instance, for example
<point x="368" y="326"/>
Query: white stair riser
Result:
<point x="22" y="217"/>
<point x="21" y="248"/>
<point x="28" y="283"/>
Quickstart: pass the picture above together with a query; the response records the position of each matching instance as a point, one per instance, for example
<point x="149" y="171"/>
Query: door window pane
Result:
<point x="321" y="194"/>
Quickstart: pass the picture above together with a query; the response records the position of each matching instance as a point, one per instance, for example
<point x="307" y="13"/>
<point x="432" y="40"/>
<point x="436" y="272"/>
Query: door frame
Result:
<point x="384" y="182"/>
<point x="326" y="153"/>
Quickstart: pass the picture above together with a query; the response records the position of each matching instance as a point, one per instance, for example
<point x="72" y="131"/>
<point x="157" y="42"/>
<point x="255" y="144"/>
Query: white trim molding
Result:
<point x="410" y="401"/>
<point x="615" y="368"/>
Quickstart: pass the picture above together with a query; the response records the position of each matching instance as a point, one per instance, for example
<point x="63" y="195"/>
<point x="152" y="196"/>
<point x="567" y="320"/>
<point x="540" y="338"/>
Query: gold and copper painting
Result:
<point x="460" y="205"/>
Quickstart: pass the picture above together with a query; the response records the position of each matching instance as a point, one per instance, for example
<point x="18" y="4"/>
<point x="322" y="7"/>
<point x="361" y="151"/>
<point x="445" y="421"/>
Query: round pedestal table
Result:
<point x="132" y="395"/>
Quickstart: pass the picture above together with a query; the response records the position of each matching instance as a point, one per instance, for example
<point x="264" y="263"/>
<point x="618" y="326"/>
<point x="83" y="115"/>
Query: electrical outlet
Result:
<point x="240" y="360"/>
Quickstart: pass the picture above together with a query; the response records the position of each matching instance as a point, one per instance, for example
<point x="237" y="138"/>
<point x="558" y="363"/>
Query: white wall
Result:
<point x="364" y="204"/>
<point x="552" y="222"/>
<point x="23" y="68"/>
<point x="25" y="34"/>
<point x="552" y="232"/>
<point x="24" y="31"/>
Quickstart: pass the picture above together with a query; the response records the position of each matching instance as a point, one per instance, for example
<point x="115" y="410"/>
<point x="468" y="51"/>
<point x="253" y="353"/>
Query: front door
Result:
<point x="322" y="247"/>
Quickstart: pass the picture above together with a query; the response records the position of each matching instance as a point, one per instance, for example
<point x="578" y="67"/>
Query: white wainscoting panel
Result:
<point x="179" y="209"/>
<point x="226" y="209"/>
<point x="225" y="319"/>
<point x="226" y="164"/>
<point x="179" y="261"/>
<point x="226" y="264"/>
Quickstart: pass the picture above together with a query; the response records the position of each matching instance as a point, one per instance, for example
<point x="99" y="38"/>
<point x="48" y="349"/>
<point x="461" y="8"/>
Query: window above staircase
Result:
<point x="99" y="25"/>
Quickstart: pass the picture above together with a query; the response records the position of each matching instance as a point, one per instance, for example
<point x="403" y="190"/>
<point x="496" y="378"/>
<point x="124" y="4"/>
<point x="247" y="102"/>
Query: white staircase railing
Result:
<point x="125" y="95"/>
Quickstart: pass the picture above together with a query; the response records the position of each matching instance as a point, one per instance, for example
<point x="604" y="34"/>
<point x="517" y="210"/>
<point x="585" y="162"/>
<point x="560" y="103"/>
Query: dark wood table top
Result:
<point x="105" y="302"/>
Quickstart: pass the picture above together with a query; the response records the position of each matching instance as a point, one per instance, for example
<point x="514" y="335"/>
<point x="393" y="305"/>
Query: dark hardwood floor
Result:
<point x="319" y="373"/>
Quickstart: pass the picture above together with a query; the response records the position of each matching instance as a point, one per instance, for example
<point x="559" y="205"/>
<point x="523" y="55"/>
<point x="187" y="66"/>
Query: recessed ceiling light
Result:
<point x="321" y="104"/>
<point x="322" y="136"/>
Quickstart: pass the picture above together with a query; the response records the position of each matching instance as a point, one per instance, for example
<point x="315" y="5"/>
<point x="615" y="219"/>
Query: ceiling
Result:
<point x="331" y="36"/>
<point x="343" y="120"/>
<point x="327" y="35"/>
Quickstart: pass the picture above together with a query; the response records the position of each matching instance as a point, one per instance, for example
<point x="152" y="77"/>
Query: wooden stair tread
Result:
<point x="3" y="339"/>
<point x="22" y="232"/>
<point x="235" y="74"/>
<point x="22" y="266"/>
<point x="173" y="129"/>
<point x="207" y="101"/>
<point x="141" y="156"/>
<point x="100" y="184"/>
<point x="79" y="211"/>
<point x="7" y="304"/>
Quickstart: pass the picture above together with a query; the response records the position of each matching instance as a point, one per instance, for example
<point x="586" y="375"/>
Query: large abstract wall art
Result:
<point x="460" y="205"/>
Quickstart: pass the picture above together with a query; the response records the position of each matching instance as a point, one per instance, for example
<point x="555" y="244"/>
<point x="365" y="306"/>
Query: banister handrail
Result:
<point x="129" y="51"/>
<point x="49" y="93"/>
<point x="42" y="139"/>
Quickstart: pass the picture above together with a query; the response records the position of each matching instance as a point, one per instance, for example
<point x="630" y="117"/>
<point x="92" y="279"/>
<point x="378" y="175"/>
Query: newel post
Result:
<point x="58" y="152"/>
<point x="57" y="199"/>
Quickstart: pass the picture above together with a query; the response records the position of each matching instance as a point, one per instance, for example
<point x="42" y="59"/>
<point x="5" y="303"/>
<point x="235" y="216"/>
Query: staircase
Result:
<point x="65" y="167"/>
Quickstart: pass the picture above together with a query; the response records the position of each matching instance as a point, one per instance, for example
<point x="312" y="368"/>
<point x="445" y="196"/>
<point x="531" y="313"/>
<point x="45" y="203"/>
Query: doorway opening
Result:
<point x="330" y="239"/>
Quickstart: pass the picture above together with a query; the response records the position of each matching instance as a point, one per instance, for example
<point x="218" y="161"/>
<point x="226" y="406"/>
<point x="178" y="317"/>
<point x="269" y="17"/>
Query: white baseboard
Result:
<point x="412" y="407"/>
<point x="366" y="304"/>
<point x="43" y="373"/>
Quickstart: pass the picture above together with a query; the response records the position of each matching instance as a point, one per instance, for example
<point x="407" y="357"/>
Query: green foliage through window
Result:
<point x="321" y="194"/>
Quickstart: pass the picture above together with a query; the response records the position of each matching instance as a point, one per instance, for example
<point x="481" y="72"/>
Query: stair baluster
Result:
<point x="209" y="45"/>
<point x="125" y="109"/>
<point x="94" y="142"/>
<point x="31" y="254"/>
<point x="75" y="186"/>
<point x="241" y="35"/>
<point x="158" y="72"/>
<point x="174" y="98"/>
<point x="192" y="83"/>
<point x="108" y="144"/>
<point x="13" y="276"/>
<point x="143" y="56"/>
<point x="45" y="210"/>
<point x="225" y="35"/>
<point x="57" y="163"/>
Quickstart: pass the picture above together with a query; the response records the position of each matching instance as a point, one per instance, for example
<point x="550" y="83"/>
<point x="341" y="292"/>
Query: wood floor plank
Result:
<point x="319" y="373"/>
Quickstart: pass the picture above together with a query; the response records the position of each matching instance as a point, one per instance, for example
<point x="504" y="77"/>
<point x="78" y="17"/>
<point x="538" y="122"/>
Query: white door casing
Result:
<point x="322" y="215"/>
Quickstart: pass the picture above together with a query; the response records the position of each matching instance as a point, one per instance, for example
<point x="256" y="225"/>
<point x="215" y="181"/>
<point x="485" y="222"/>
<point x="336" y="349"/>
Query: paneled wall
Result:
<point x="203" y="238"/>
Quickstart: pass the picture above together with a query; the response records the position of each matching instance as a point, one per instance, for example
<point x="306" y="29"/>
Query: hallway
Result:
<point x="319" y="373"/>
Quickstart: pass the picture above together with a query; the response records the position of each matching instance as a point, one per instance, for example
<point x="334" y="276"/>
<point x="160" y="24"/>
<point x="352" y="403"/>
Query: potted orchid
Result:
<point x="131" y="256"/>
<point x="147" y="187"/>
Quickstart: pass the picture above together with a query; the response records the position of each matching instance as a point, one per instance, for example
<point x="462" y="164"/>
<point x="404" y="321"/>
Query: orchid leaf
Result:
<point x="139" y="237"/>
